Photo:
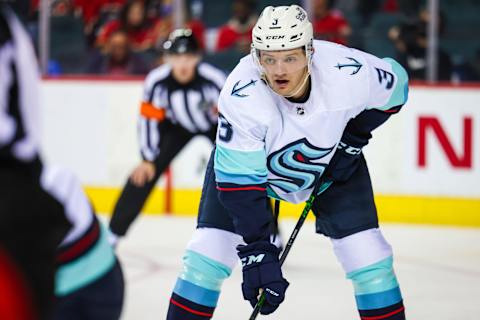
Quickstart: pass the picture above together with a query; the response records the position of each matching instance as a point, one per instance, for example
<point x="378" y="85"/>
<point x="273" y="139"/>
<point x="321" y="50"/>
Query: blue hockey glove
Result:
<point x="356" y="135"/>
<point x="261" y="270"/>
<point x="344" y="162"/>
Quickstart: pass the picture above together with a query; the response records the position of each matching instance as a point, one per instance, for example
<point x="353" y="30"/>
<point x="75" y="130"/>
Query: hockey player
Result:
<point x="89" y="280"/>
<point x="293" y="111"/>
<point x="32" y="223"/>
<point x="179" y="103"/>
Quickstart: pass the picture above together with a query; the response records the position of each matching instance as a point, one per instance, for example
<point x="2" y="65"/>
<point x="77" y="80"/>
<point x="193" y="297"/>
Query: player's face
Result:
<point x="285" y="70"/>
<point x="183" y="66"/>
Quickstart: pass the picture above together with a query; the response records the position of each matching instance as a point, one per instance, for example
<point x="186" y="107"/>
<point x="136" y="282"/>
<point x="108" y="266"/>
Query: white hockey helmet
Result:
<point x="282" y="28"/>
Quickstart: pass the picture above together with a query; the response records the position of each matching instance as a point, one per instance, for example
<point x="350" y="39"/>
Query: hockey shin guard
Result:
<point x="367" y="260"/>
<point x="205" y="267"/>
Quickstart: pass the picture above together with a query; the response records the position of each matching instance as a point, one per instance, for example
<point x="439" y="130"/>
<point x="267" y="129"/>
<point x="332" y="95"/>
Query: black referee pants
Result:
<point x="133" y="198"/>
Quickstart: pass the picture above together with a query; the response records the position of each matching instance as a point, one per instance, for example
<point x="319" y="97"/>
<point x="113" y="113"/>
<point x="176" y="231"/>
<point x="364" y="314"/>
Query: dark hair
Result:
<point x="123" y="16"/>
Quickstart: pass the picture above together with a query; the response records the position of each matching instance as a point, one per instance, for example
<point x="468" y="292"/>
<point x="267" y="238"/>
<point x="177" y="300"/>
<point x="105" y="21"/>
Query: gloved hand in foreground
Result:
<point x="261" y="270"/>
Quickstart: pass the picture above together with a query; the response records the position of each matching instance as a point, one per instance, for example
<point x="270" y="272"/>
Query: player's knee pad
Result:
<point x="361" y="249"/>
<point x="208" y="260"/>
<point x="367" y="260"/>
<point x="216" y="244"/>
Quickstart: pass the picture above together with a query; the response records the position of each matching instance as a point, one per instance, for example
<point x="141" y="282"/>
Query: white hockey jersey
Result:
<point x="84" y="254"/>
<point x="263" y="138"/>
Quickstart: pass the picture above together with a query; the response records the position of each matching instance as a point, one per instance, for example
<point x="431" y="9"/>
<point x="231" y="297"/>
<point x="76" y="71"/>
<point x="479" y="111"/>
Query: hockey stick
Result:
<point x="276" y="213"/>
<point x="292" y="238"/>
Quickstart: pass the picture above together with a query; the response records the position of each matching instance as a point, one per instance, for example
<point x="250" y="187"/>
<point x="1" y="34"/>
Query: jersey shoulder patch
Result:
<point x="340" y="69"/>
<point x="245" y="98"/>
<point x="340" y="62"/>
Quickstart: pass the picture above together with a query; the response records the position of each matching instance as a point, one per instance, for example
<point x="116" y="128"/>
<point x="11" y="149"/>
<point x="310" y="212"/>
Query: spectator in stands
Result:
<point x="411" y="42"/>
<point x="96" y="13"/>
<point x="118" y="58"/>
<point x="143" y="32"/>
<point x="329" y="24"/>
<point x="237" y="33"/>
<point x="194" y="22"/>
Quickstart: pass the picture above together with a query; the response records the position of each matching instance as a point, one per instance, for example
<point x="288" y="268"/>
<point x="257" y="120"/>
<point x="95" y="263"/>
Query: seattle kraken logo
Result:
<point x="357" y="65"/>
<point x="293" y="163"/>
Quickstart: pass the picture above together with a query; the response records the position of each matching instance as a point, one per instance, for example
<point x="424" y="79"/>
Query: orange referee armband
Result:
<point x="148" y="111"/>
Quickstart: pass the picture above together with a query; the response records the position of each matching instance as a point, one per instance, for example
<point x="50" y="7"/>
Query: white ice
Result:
<point x="438" y="269"/>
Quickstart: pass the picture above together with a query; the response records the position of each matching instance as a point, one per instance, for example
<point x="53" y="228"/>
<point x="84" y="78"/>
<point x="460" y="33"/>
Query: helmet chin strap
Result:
<point x="299" y="87"/>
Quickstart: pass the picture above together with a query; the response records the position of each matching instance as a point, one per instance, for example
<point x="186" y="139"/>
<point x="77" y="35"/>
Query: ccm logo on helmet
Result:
<point x="274" y="37"/>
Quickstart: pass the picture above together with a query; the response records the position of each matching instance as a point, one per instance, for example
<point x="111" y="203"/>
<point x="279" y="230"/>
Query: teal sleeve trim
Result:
<point x="233" y="166"/>
<point x="87" y="268"/>
<point x="400" y="92"/>
<point x="203" y="271"/>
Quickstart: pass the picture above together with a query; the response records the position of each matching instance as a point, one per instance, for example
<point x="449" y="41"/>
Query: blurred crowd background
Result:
<point x="125" y="37"/>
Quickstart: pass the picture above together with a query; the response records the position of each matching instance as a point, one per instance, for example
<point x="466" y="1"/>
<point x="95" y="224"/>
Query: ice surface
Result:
<point x="438" y="270"/>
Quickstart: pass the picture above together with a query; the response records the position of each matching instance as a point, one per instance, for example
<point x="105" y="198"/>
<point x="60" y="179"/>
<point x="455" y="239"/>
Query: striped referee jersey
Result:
<point x="192" y="106"/>
<point x="19" y="97"/>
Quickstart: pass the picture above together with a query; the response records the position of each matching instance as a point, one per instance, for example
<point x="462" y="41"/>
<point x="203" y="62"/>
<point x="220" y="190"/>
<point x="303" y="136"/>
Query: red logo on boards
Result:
<point x="458" y="159"/>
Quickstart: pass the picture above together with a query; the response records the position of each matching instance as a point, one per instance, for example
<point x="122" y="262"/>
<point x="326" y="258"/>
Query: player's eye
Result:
<point x="290" y="59"/>
<point x="269" y="61"/>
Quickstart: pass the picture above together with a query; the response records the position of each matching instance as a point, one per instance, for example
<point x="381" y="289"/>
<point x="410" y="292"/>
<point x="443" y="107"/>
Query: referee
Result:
<point x="32" y="223"/>
<point x="179" y="103"/>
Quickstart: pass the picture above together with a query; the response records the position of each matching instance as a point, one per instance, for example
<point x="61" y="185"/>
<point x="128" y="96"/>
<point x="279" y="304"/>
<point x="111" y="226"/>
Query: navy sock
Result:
<point x="393" y="312"/>
<point x="184" y="309"/>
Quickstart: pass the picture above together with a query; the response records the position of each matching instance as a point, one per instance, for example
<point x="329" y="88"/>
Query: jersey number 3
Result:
<point x="387" y="76"/>
<point x="225" y="131"/>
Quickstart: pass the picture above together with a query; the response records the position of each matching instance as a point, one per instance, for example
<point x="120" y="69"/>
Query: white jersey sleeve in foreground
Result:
<point x="244" y="119"/>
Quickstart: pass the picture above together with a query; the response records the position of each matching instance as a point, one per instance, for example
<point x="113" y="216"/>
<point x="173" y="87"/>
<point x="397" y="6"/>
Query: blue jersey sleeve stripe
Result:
<point x="240" y="162"/>
<point x="400" y="92"/>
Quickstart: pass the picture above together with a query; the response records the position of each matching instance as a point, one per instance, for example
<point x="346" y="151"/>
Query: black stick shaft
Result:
<point x="289" y="245"/>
